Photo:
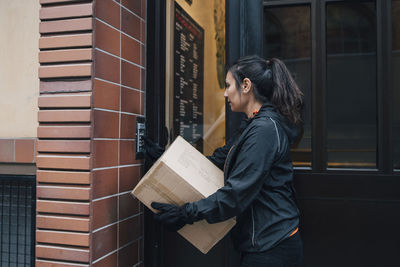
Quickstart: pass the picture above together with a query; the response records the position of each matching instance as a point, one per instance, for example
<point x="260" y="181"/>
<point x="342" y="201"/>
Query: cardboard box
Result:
<point x="182" y="174"/>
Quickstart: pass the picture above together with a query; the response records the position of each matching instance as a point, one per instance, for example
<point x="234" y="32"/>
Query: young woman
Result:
<point x="257" y="168"/>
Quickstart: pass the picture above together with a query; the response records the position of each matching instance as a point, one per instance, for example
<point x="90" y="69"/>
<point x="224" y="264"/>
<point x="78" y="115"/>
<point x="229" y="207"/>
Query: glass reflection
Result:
<point x="287" y="36"/>
<point x="351" y="84"/>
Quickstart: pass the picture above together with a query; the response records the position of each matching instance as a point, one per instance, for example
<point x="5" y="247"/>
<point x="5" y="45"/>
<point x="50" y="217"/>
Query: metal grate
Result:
<point x="17" y="221"/>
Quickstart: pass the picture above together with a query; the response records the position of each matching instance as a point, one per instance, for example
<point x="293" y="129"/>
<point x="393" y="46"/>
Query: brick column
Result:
<point x="91" y="91"/>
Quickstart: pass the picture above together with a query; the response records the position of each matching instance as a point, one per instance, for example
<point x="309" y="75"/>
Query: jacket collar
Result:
<point x="269" y="110"/>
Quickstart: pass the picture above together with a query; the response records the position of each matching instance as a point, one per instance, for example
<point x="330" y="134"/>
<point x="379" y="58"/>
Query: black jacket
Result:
<point x="258" y="184"/>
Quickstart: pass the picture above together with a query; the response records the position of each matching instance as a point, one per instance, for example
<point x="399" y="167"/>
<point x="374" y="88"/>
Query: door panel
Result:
<point x="287" y="36"/>
<point x="195" y="105"/>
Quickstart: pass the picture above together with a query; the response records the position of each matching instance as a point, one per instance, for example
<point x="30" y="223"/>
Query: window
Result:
<point x="195" y="73"/>
<point x="17" y="221"/>
<point x="333" y="50"/>
<point x="287" y="36"/>
<point x="351" y="84"/>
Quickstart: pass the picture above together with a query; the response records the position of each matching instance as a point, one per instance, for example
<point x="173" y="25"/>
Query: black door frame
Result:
<point x="320" y="185"/>
<point x="155" y="115"/>
<point x="244" y="36"/>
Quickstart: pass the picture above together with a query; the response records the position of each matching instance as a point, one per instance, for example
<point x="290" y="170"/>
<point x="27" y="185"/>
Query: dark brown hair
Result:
<point x="272" y="82"/>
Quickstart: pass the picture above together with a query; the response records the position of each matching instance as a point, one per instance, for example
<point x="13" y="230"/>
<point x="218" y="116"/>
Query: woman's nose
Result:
<point x="225" y="93"/>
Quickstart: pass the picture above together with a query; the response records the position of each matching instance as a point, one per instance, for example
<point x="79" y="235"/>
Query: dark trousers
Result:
<point x="287" y="254"/>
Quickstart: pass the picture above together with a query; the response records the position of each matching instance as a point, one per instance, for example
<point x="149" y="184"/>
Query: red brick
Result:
<point x="105" y="182"/>
<point x="130" y="49"/>
<point x="130" y="100"/>
<point x="128" y="126"/>
<point x="47" y="263"/>
<point x="24" y="150"/>
<point x="104" y="212"/>
<point x="109" y="12"/>
<point x="63" y="177"/>
<point x="127" y="153"/>
<point x="72" y="146"/>
<point x="105" y="153"/>
<point x="65" y="86"/>
<point x="63" y="162"/>
<point x="62" y="223"/>
<point x="106" y="95"/>
<point x="62" y="253"/>
<point x="129" y="255"/>
<point x="129" y="177"/>
<point x="69" y="11"/>
<point x="142" y="31"/>
<point x="64" y="131"/>
<point x="107" y="38"/>
<point x="142" y="55"/>
<point x="66" y="41"/>
<point x="130" y="75"/>
<point x="107" y="67"/>
<point x="6" y="150"/>
<point x="58" y="71"/>
<point x="129" y="230"/>
<point x="128" y="206"/>
<point x="144" y="9"/>
<point x="66" y="238"/>
<point x="135" y="6"/>
<point x="57" y="1"/>
<point x="66" y="25"/>
<point x="62" y="192"/>
<point x="142" y="103"/>
<point x="143" y="79"/>
<point x="62" y="207"/>
<point x="110" y="260"/>
<point x="64" y="116"/>
<point x="65" y="101"/>
<point x="130" y="24"/>
<point x="106" y="124"/>
<point x="65" y="55"/>
<point x="104" y="241"/>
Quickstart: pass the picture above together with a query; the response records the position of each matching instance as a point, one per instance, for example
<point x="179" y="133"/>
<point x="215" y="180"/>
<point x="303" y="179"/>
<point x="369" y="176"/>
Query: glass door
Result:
<point x="195" y="72"/>
<point x="195" y="103"/>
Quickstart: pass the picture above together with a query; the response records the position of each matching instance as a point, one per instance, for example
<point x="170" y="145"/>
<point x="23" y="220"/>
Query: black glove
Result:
<point x="153" y="150"/>
<point x="172" y="216"/>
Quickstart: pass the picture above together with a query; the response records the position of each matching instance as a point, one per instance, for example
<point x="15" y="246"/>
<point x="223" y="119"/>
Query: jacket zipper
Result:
<point x="253" y="240"/>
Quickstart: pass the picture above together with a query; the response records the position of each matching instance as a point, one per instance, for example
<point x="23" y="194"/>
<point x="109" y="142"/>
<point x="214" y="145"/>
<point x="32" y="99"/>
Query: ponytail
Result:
<point x="271" y="82"/>
<point x="286" y="95"/>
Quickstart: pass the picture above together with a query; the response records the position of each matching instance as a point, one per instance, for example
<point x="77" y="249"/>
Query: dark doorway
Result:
<point x="344" y="56"/>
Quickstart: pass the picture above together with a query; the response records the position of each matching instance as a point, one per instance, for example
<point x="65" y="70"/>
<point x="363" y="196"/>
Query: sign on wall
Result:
<point x="188" y="78"/>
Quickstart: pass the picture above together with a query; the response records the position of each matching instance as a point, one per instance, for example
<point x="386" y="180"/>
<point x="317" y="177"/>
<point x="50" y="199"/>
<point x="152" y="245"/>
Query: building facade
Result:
<point x="77" y="75"/>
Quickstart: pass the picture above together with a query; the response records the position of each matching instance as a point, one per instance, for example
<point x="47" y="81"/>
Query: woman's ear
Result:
<point x="246" y="85"/>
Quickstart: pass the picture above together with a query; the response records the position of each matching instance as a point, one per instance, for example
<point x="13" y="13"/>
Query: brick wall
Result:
<point x="91" y="91"/>
<point x="19" y="150"/>
<point x="118" y="99"/>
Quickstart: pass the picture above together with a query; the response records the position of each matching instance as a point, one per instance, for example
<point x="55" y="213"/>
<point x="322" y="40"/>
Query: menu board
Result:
<point x="188" y="78"/>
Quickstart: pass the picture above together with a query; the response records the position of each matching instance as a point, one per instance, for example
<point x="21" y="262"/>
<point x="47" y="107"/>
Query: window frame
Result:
<point x="319" y="163"/>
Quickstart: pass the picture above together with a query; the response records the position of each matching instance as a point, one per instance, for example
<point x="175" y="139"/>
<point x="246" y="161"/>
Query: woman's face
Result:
<point x="232" y="94"/>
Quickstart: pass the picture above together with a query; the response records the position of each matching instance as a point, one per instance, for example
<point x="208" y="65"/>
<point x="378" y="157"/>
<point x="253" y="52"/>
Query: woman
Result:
<point x="257" y="168"/>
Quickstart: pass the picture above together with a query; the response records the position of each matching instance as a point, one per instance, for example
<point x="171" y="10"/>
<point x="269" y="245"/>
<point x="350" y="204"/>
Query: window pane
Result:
<point x="196" y="79"/>
<point x="351" y="84"/>
<point x="396" y="80"/>
<point x="287" y="36"/>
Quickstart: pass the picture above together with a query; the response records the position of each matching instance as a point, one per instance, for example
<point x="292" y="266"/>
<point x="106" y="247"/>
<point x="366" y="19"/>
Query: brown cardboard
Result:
<point x="181" y="175"/>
